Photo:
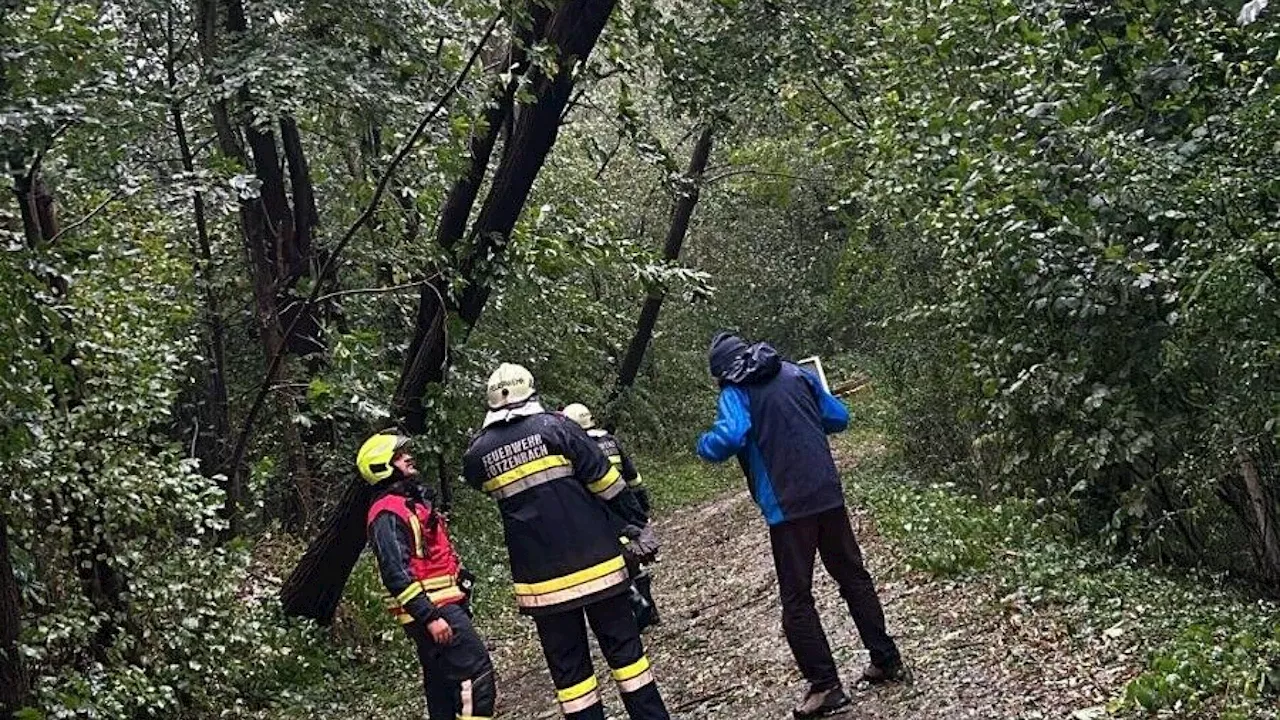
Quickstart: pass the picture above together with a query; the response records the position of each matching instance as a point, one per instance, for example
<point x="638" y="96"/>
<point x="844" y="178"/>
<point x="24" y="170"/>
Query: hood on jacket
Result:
<point x="735" y="362"/>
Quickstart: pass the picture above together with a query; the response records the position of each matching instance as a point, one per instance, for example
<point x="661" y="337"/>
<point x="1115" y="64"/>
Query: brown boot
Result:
<point x="820" y="703"/>
<point x="897" y="672"/>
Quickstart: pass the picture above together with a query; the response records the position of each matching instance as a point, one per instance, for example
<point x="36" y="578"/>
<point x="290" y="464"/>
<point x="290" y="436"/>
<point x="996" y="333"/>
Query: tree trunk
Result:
<point x="315" y="586"/>
<point x="15" y="683"/>
<point x="278" y="238"/>
<point x="573" y="30"/>
<point x="426" y="357"/>
<point x="101" y="583"/>
<point x="1260" y="512"/>
<point x="213" y="447"/>
<point x="305" y="215"/>
<point x="688" y="192"/>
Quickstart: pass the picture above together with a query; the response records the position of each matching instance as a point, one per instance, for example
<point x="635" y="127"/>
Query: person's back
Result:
<point x="779" y="418"/>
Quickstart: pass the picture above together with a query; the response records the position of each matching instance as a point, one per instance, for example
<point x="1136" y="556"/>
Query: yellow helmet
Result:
<point x="510" y="384"/>
<point x="375" y="455"/>
<point x="579" y="413"/>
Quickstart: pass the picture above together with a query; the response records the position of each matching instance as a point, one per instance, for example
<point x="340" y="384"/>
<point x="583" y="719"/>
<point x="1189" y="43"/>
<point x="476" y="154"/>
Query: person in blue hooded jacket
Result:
<point x="775" y="418"/>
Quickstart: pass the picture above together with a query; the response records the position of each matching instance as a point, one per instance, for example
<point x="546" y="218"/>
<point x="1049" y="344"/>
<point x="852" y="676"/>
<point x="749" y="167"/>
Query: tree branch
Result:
<point x="375" y="290"/>
<point x="836" y="106"/>
<point x="264" y="388"/>
<point x="92" y="213"/>
<point x="762" y="173"/>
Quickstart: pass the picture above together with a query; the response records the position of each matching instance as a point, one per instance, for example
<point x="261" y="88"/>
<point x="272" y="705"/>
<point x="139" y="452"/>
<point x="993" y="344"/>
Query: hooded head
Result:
<point x="734" y="362"/>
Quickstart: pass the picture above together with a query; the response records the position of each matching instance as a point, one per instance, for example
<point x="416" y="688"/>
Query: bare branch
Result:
<point x="92" y="213"/>
<point x="762" y="173"/>
<point x="375" y="290"/>
<point x="836" y="106"/>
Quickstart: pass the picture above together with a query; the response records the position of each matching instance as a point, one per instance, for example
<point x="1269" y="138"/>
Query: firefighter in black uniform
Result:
<point x="563" y="507"/>
<point x="425" y="580"/>
<point x="645" y="609"/>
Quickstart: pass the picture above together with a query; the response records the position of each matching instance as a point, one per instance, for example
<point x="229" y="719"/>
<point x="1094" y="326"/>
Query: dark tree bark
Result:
<point x="100" y="581"/>
<point x="278" y="238"/>
<point x="427" y="355"/>
<point x="573" y="30"/>
<point x="314" y="587"/>
<point x="215" y="443"/>
<point x="305" y="215"/>
<point x="1254" y="499"/>
<point x="15" y="683"/>
<point x="688" y="191"/>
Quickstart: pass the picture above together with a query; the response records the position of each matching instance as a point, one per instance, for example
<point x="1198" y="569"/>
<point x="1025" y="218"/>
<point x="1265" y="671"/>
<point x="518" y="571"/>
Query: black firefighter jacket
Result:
<point x="563" y="506"/>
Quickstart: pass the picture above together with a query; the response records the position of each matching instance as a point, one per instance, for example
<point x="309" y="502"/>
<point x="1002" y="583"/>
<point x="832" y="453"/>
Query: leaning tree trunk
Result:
<point x="1258" y="507"/>
<point x="15" y="684"/>
<point x="688" y="191"/>
<point x="314" y="587"/>
<point x="573" y="30"/>
<point x="426" y="357"/>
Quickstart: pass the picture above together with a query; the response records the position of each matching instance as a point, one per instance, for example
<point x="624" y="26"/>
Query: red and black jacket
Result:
<point x="417" y="562"/>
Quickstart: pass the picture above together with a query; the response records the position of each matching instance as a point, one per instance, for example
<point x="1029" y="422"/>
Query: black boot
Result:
<point x="820" y="703"/>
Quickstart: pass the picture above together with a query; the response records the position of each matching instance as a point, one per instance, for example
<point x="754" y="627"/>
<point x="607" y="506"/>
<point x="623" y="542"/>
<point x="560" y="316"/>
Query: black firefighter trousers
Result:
<point x="829" y="534"/>
<point x="458" y="677"/>
<point x="565" y="645"/>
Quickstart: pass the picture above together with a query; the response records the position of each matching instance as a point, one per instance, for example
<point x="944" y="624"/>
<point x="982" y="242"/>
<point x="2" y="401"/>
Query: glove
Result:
<point x="642" y="543"/>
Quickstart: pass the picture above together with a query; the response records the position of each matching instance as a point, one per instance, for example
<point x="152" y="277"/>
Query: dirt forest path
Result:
<point x="720" y="652"/>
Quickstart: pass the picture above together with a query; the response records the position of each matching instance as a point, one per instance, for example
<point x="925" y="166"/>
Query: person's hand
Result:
<point x="642" y="544"/>
<point x="440" y="631"/>
<point x="648" y="541"/>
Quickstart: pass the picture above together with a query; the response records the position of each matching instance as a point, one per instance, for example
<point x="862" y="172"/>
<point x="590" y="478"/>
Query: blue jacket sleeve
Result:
<point x="835" y="416"/>
<point x="729" y="434"/>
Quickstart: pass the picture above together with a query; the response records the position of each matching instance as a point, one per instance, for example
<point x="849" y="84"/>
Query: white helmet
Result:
<point x="509" y="385"/>
<point x="579" y="413"/>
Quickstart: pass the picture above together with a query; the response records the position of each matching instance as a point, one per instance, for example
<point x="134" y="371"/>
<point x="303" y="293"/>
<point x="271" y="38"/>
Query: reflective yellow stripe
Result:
<point x="451" y="593"/>
<point x="576" y="691"/>
<point x="534" y="480"/>
<point x="419" y="549"/>
<point x="603" y="483"/>
<point x="438" y="582"/>
<point x="632" y="670"/>
<point x="633" y="684"/>
<point x="404" y="618"/>
<point x="639" y="480"/>
<point x="583" y="703"/>
<point x="524" y="470"/>
<point x="615" y="460"/>
<point x="568" y="581"/>
<point x="551" y="599"/>
<point x="410" y="593"/>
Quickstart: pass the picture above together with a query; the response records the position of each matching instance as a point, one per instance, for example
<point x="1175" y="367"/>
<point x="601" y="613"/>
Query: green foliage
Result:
<point x="1208" y="645"/>
<point x="1222" y="658"/>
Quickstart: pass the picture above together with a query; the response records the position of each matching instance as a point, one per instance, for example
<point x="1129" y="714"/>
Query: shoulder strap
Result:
<point x="392" y="503"/>
<point x="398" y="505"/>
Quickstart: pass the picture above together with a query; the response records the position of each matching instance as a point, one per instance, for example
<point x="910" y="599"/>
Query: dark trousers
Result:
<point x="565" y="645"/>
<point x="831" y="536"/>
<point x="458" y="677"/>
